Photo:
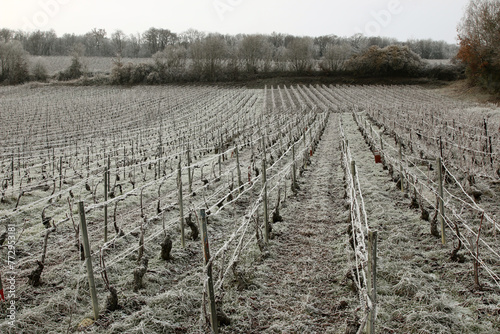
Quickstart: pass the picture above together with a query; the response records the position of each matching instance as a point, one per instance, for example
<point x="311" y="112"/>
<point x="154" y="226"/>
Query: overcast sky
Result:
<point x="402" y="19"/>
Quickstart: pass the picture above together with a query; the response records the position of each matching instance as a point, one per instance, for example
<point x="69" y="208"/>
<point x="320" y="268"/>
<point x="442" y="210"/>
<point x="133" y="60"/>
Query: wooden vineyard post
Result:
<point x="281" y="143"/>
<point x="238" y="168"/>
<point x="88" y="161"/>
<point x="190" y="179"/>
<point x="372" y="280"/>
<point x="53" y="161"/>
<point x="106" y="181"/>
<point x="124" y="161"/>
<point x="294" y="169"/>
<point x="12" y="170"/>
<point x="219" y="161"/>
<point x="88" y="259"/>
<point x="133" y="157"/>
<point x="60" y="172"/>
<point x="311" y="142"/>
<point x="222" y="148"/>
<point x="491" y="152"/>
<point x="181" y="204"/>
<point x="206" y="253"/>
<point x="353" y="173"/>
<point x="401" y="165"/>
<point x="109" y="172"/>
<point x="2" y="295"/>
<point x="264" y="195"/>
<point x="440" y="200"/>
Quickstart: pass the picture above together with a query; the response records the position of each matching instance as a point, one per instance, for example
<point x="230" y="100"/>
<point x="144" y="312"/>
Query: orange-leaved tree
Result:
<point x="479" y="37"/>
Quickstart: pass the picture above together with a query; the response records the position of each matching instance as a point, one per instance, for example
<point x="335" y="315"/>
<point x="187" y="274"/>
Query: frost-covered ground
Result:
<point x="299" y="284"/>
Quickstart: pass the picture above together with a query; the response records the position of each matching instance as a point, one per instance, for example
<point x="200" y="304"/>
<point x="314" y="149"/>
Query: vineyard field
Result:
<point x="328" y="209"/>
<point x="56" y="64"/>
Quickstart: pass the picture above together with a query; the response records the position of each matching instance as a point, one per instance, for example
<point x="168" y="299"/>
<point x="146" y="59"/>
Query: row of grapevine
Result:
<point x="437" y="190"/>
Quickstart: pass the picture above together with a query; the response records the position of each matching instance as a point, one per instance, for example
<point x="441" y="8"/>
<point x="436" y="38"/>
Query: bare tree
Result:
<point x="99" y="35"/>
<point x="252" y="49"/>
<point x="158" y="39"/>
<point x="133" y="45"/>
<point x="323" y="42"/>
<point x="171" y="62"/>
<point x="191" y="36"/>
<point x="208" y="55"/>
<point x="300" y="53"/>
<point x="358" y="43"/>
<point x="118" y="39"/>
<point x="335" y="56"/>
<point x="6" y="34"/>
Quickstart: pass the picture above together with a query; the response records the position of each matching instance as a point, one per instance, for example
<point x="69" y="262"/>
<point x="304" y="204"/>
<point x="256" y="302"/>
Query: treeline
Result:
<point x="100" y="43"/>
<point x="196" y="56"/>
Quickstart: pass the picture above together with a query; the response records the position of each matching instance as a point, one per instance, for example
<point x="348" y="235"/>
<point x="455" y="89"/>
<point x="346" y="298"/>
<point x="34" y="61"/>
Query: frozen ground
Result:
<point x="299" y="284"/>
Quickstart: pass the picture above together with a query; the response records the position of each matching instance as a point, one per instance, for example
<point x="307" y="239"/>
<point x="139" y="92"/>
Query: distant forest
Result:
<point x="195" y="56"/>
<point x="100" y="43"/>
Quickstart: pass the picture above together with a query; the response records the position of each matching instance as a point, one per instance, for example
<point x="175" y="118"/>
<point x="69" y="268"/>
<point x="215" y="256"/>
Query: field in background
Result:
<point x="56" y="64"/>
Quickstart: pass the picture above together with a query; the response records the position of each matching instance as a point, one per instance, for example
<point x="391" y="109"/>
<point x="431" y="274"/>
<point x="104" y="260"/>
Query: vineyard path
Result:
<point x="300" y="290"/>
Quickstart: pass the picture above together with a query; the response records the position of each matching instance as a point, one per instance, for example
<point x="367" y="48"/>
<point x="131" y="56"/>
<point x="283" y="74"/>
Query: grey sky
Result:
<point x="402" y="19"/>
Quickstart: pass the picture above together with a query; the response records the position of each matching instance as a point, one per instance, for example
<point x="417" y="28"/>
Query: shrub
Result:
<point x="39" y="72"/>
<point x="120" y="73"/>
<point x="13" y="63"/>
<point x="74" y="71"/>
<point x="393" y="60"/>
<point x="139" y="73"/>
<point x="130" y="74"/>
<point x="444" y="72"/>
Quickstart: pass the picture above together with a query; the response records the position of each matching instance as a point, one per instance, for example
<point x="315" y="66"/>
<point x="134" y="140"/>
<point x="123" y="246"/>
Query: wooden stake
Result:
<point x="206" y="253"/>
<point x="401" y="165"/>
<point x="294" y="169"/>
<point x="440" y="199"/>
<point x="372" y="280"/>
<point x="219" y="161"/>
<point x="2" y="296"/>
<point x="238" y="167"/>
<point x="124" y="161"/>
<point x="60" y="172"/>
<point x="106" y="181"/>
<point x="181" y="204"/>
<point x="88" y="161"/>
<point x="12" y="170"/>
<point x="109" y="172"/>
<point x="264" y="185"/>
<point x="353" y="170"/>
<point x="88" y="260"/>
<point x="190" y="178"/>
